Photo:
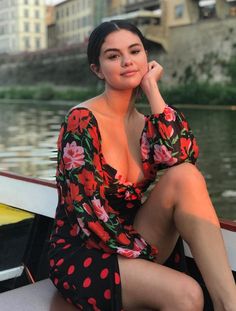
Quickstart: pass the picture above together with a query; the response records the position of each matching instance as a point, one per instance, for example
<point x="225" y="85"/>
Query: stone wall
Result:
<point x="198" y="51"/>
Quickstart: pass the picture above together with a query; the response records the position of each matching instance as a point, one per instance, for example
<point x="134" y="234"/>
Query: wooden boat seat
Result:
<point x="40" y="296"/>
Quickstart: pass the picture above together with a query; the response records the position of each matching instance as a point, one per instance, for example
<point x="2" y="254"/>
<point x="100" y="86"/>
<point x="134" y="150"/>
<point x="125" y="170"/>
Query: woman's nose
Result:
<point x="126" y="61"/>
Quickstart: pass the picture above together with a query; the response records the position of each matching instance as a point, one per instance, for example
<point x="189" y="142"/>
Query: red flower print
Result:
<point x="87" y="208"/>
<point x="169" y="114"/>
<point x="60" y="138"/>
<point x="145" y="148"/>
<point x="185" y="144"/>
<point x="77" y="119"/>
<point x="128" y="252"/>
<point x="185" y="125"/>
<point x="99" y="210"/>
<point x="74" y="190"/>
<point x="123" y="239"/>
<point x="165" y="131"/>
<point x="73" y="155"/>
<point x="163" y="155"/>
<point x="82" y="226"/>
<point x="87" y="178"/>
<point x="69" y="203"/>
<point x="94" y="135"/>
<point x="139" y="244"/>
<point x="150" y="130"/>
<point x="99" y="231"/>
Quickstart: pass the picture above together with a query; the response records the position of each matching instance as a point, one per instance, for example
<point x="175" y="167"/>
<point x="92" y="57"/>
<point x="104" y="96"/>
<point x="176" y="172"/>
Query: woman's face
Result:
<point x="123" y="60"/>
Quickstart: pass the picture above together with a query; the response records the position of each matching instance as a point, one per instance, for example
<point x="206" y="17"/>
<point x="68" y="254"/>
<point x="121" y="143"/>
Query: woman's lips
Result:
<point x="129" y="73"/>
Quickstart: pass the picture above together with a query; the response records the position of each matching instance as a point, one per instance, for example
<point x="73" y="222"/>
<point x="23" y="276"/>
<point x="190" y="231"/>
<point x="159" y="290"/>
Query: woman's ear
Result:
<point x="96" y="69"/>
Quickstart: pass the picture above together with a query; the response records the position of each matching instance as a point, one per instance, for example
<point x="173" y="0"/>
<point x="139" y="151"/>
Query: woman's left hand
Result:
<point x="154" y="74"/>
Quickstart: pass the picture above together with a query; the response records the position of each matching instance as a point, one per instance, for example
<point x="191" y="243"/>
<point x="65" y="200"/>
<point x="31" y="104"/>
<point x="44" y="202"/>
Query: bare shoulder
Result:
<point x="90" y="104"/>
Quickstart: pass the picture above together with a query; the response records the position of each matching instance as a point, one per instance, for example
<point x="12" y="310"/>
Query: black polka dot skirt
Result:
<point x="89" y="279"/>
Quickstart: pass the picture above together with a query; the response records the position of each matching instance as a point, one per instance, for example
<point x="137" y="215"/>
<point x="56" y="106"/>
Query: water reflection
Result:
<point x="29" y="134"/>
<point x="28" y="139"/>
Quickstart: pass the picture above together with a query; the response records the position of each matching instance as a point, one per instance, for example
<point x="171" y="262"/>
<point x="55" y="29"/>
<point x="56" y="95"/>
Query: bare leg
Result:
<point x="147" y="286"/>
<point x="180" y="203"/>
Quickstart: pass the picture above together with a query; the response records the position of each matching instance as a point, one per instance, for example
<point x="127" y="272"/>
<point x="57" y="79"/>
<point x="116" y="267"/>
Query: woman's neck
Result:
<point x="119" y="103"/>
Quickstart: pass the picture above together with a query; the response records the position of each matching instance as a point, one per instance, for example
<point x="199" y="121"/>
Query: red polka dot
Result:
<point x="92" y="301"/>
<point x="71" y="270"/>
<point x="52" y="262"/>
<point x="105" y="255"/>
<point x="55" y="281"/>
<point x="67" y="246"/>
<point x="60" y="241"/>
<point x="117" y="278"/>
<point x="66" y="285"/>
<point x="60" y="262"/>
<point x="60" y="223"/>
<point x="87" y="282"/>
<point x="68" y="300"/>
<point x="104" y="273"/>
<point x="87" y="262"/>
<point x="107" y="294"/>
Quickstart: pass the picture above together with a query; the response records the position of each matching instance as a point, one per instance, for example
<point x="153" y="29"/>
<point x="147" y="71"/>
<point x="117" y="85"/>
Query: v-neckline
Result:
<point x="116" y="173"/>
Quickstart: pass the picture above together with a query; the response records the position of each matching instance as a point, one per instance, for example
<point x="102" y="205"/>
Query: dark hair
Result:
<point x="100" y="33"/>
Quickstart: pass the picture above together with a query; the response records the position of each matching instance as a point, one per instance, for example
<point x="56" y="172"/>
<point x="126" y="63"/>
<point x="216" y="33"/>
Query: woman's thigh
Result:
<point x="150" y="286"/>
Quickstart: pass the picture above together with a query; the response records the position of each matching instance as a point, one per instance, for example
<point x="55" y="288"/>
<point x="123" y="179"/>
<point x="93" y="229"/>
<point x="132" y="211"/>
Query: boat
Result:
<point x="31" y="204"/>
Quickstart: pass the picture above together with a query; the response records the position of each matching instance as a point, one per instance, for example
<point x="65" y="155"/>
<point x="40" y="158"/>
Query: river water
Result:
<point x="29" y="133"/>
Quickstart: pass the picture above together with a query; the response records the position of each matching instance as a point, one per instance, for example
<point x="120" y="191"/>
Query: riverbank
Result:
<point x="200" y="94"/>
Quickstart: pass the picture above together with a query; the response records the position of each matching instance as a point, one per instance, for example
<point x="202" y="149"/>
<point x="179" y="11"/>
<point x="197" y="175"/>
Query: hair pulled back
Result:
<point x="100" y="33"/>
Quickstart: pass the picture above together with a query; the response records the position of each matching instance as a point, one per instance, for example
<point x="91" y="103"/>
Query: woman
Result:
<point x="109" y="249"/>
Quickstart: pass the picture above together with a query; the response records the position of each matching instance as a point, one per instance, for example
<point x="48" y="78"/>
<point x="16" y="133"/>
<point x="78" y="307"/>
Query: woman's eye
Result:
<point x="113" y="56"/>
<point x="135" y="51"/>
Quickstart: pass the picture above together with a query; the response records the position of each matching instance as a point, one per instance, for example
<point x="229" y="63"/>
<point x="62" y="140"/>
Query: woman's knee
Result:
<point x="192" y="297"/>
<point x="185" y="176"/>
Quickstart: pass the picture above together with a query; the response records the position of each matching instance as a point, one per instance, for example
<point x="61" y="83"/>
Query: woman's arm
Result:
<point x="150" y="87"/>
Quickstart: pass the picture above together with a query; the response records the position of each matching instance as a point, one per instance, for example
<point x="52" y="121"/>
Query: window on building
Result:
<point x="179" y="11"/>
<point x="37" y="43"/>
<point x="36" y="14"/>
<point x="207" y="11"/>
<point x="37" y="27"/>
<point x="26" y="1"/>
<point x="67" y="12"/>
<point x="36" y="2"/>
<point x="26" y="27"/>
<point x="27" y="42"/>
<point x="26" y="13"/>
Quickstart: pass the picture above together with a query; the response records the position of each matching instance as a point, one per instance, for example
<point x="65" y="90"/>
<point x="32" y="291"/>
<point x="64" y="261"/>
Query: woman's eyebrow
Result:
<point x="117" y="50"/>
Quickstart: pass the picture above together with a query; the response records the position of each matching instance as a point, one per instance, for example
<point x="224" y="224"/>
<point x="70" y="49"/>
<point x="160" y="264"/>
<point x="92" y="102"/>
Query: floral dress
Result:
<point x="96" y="207"/>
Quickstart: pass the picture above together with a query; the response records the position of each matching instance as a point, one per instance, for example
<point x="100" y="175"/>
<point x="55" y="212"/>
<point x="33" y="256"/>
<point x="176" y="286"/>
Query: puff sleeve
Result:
<point x="168" y="140"/>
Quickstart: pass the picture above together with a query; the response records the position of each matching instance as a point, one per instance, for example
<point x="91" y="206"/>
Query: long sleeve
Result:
<point x="168" y="140"/>
<point x="80" y="179"/>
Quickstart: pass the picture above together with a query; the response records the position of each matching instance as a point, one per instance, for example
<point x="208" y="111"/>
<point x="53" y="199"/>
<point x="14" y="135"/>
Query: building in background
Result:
<point x="156" y="18"/>
<point x="51" y="26"/>
<point x="75" y="20"/>
<point x="22" y="26"/>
